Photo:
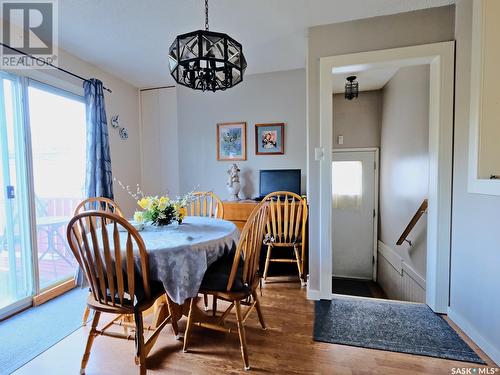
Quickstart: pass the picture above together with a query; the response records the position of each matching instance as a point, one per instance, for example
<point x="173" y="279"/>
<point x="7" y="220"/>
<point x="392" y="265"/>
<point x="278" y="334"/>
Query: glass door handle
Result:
<point x="11" y="192"/>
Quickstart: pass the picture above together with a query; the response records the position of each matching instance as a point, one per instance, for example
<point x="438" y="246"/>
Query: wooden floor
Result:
<point x="285" y="348"/>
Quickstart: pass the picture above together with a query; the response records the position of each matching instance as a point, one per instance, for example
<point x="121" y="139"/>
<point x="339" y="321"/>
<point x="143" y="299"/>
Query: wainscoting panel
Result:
<point x="398" y="280"/>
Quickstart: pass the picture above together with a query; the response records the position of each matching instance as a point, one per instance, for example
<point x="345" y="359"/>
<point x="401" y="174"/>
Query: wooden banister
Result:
<point x="414" y="220"/>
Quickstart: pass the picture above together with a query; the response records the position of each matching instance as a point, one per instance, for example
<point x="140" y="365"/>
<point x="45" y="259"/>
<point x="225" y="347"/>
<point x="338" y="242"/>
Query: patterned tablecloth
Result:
<point x="179" y="255"/>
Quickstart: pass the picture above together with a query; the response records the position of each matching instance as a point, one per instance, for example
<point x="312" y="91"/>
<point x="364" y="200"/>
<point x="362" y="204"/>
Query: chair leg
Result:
<point x="297" y="258"/>
<point x="241" y="333"/>
<point x="140" y="358"/>
<point x="127" y="319"/>
<point x="259" y="311"/>
<point x="268" y="260"/>
<point x="189" y="325"/>
<point x="214" y="305"/>
<point x="86" y="314"/>
<point x="205" y="301"/>
<point x="90" y="341"/>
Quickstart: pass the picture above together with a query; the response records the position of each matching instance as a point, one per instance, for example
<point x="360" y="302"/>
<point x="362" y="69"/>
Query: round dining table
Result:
<point x="179" y="256"/>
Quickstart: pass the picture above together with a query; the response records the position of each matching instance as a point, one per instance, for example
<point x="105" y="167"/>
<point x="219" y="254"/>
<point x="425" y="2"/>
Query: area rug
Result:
<point x="28" y="334"/>
<point x="389" y="325"/>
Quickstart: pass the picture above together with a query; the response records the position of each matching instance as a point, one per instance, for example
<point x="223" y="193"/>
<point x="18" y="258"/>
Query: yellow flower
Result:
<point x="139" y="217"/>
<point x="181" y="213"/>
<point x="163" y="203"/>
<point x="145" y="203"/>
<point x="154" y="202"/>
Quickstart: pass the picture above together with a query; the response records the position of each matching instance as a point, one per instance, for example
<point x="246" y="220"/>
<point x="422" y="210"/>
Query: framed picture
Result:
<point x="270" y="139"/>
<point x="232" y="141"/>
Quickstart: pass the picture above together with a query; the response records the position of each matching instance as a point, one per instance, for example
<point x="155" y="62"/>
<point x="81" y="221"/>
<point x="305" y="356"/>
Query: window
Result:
<point x="16" y="281"/>
<point x="347" y="184"/>
<point x="57" y="125"/>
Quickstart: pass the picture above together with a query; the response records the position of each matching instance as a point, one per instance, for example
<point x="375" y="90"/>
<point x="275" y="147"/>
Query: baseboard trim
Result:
<point x="485" y="345"/>
<point x="53" y="292"/>
<point x="313" y="294"/>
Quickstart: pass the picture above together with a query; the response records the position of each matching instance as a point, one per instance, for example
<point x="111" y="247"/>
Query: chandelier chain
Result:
<point x="206" y="15"/>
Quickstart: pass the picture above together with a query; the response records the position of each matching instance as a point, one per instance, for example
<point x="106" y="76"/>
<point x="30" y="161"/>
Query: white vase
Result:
<point x="234" y="190"/>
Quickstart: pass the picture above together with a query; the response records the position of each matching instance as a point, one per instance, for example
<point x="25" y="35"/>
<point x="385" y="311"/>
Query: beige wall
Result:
<point x="357" y="120"/>
<point x="260" y="98"/>
<point x="475" y="255"/>
<point x="400" y="30"/>
<point x="124" y="101"/>
<point x="404" y="162"/>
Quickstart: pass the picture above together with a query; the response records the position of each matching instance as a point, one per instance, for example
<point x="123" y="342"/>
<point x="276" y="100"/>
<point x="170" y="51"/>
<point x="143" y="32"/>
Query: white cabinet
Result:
<point x="484" y="152"/>
<point x="159" y="142"/>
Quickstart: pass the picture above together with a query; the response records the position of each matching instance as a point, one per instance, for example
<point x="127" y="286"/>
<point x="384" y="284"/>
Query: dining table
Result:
<point x="179" y="255"/>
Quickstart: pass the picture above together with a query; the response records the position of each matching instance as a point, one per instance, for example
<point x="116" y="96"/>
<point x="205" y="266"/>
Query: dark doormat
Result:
<point x="351" y="287"/>
<point x="389" y="325"/>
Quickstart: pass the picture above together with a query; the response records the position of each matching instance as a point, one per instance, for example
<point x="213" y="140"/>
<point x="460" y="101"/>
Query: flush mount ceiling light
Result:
<point x="351" y="88"/>
<point x="206" y="60"/>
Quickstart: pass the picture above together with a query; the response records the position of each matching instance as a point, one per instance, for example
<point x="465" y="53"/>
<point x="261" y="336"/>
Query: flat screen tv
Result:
<point x="279" y="180"/>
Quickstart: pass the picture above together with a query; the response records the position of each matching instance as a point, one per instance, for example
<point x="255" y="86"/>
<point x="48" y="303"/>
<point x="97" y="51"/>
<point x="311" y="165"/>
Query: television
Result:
<point x="279" y="180"/>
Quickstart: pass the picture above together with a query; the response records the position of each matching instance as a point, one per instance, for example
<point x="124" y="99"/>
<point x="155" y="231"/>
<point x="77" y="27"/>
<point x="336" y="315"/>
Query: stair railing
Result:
<point x="414" y="220"/>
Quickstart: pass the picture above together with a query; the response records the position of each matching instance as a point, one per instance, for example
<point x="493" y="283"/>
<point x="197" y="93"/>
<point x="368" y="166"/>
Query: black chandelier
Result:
<point x="351" y="88"/>
<point x="206" y="60"/>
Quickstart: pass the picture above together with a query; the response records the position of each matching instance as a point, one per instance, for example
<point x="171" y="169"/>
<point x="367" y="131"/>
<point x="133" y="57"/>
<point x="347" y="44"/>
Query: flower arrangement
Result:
<point x="159" y="210"/>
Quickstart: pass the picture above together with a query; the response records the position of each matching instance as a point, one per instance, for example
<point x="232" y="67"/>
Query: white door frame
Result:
<point x="376" y="153"/>
<point x="440" y="57"/>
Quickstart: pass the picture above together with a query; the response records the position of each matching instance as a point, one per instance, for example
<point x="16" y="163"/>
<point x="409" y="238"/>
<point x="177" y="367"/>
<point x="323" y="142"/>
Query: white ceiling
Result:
<point x="371" y="79"/>
<point x="130" y="38"/>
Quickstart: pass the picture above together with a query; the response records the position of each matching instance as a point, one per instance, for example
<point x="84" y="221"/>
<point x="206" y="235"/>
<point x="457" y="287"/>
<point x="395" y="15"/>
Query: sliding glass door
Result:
<point x="42" y="174"/>
<point x="57" y="125"/>
<point x="16" y="281"/>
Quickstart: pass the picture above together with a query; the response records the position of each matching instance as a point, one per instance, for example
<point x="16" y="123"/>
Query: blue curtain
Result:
<point x="98" y="180"/>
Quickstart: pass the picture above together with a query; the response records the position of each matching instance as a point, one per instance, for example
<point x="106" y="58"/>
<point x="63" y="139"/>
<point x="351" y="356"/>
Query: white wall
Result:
<point x="357" y="120"/>
<point x="400" y="30"/>
<point x="475" y="255"/>
<point x="260" y="98"/>
<point x="404" y="162"/>
<point x="160" y="142"/>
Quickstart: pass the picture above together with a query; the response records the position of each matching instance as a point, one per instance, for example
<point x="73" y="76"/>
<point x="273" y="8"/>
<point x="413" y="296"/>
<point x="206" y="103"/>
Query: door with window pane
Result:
<point x="57" y="126"/>
<point x="353" y="199"/>
<point x="16" y="282"/>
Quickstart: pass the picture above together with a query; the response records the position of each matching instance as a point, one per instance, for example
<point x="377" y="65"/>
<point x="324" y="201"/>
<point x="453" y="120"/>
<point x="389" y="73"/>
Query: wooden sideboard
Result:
<point x="238" y="213"/>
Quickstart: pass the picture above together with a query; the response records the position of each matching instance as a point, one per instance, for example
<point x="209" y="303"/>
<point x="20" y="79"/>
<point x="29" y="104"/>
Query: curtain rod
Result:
<point x="49" y="64"/>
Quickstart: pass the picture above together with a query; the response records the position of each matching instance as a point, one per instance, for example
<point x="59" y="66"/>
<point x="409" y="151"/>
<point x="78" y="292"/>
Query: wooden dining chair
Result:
<point x="286" y="225"/>
<point x="118" y="274"/>
<point x="206" y="204"/>
<point x="98" y="204"/>
<point x="235" y="278"/>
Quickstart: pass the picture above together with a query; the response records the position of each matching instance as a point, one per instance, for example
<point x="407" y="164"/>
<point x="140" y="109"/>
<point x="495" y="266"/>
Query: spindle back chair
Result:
<point x="286" y="225"/>
<point x="114" y="261"/>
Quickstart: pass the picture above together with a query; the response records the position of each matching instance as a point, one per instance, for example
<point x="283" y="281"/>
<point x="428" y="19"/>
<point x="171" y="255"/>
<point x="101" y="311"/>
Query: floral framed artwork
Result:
<point x="270" y="139"/>
<point x="232" y="141"/>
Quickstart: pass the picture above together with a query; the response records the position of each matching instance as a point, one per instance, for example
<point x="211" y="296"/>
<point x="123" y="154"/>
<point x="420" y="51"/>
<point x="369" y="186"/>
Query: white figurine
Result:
<point x="233" y="182"/>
